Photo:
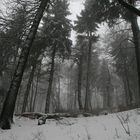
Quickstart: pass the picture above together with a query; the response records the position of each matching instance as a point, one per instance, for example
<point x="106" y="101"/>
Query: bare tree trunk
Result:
<point x="59" y="90"/>
<point x="130" y="96"/>
<point x="58" y="107"/>
<point x="31" y="98"/>
<point x="108" y="88"/>
<point x="47" y="107"/>
<point x="126" y="91"/>
<point x="26" y="95"/>
<point x="75" y="100"/>
<point x="9" y="105"/>
<point x="87" y="97"/>
<point x="70" y="98"/>
<point x="136" y="36"/>
<point x="36" y="88"/>
<point x="80" y="73"/>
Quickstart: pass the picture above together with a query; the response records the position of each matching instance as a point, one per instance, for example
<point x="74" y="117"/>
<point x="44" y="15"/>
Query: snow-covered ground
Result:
<point x="119" y="126"/>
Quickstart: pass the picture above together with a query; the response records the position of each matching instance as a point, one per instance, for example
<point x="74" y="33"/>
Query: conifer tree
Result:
<point x="58" y="25"/>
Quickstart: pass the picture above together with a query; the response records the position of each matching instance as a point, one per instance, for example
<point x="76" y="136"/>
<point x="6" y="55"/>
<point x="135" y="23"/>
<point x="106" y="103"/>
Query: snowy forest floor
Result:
<point x="117" y="126"/>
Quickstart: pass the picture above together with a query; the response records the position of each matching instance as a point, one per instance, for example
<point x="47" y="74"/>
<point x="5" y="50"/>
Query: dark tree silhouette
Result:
<point x="9" y="105"/>
<point x="130" y="7"/>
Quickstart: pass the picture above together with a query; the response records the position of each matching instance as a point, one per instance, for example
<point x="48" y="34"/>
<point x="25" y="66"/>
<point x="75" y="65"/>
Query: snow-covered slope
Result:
<point x="119" y="126"/>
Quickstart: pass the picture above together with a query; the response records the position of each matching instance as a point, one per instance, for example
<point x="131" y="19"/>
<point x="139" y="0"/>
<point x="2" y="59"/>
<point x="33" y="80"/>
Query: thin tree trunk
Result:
<point x="75" y="100"/>
<point x="9" y="105"/>
<point x="130" y="97"/>
<point x="31" y="97"/>
<point x="59" y="90"/>
<point x="80" y="73"/>
<point x="108" y="89"/>
<point x="126" y="91"/>
<point x="58" y="108"/>
<point x="36" y="89"/>
<point x="70" y="98"/>
<point x="87" y="97"/>
<point x="26" y="95"/>
<point x="47" y="107"/>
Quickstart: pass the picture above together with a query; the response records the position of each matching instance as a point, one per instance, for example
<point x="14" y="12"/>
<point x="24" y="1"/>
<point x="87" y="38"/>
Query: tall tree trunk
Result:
<point x="69" y="96"/>
<point x="26" y="95"/>
<point x="9" y="105"/>
<point x="75" y="100"/>
<point x="130" y="96"/>
<point x="80" y="73"/>
<point x="58" y="107"/>
<point x="59" y="91"/>
<point x="36" y="88"/>
<point x="47" y="107"/>
<point x="136" y="36"/>
<point x="108" y="88"/>
<point x="31" y="98"/>
<point x="87" y="106"/>
<point x="126" y="91"/>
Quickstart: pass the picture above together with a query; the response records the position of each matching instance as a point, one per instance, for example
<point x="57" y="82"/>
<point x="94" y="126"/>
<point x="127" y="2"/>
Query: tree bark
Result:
<point x="80" y="73"/>
<point x="47" y="107"/>
<point x="136" y="37"/>
<point x="9" y="105"/>
<point x="87" y="106"/>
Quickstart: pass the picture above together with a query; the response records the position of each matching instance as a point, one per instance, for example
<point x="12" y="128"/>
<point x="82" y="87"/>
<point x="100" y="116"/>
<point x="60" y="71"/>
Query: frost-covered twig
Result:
<point x="127" y="130"/>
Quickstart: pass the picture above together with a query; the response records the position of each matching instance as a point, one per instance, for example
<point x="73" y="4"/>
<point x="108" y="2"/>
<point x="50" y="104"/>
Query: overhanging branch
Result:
<point x="129" y="7"/>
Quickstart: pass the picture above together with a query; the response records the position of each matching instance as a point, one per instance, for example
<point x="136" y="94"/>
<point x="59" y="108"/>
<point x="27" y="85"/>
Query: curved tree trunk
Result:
<point x="47" y="107"/>
<point x="130" y="7"/>
<point x="9" y="105"/>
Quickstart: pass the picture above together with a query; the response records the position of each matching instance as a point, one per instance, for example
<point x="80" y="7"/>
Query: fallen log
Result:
<point x="32" y="115"/>
<point x="42" y="117"/>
